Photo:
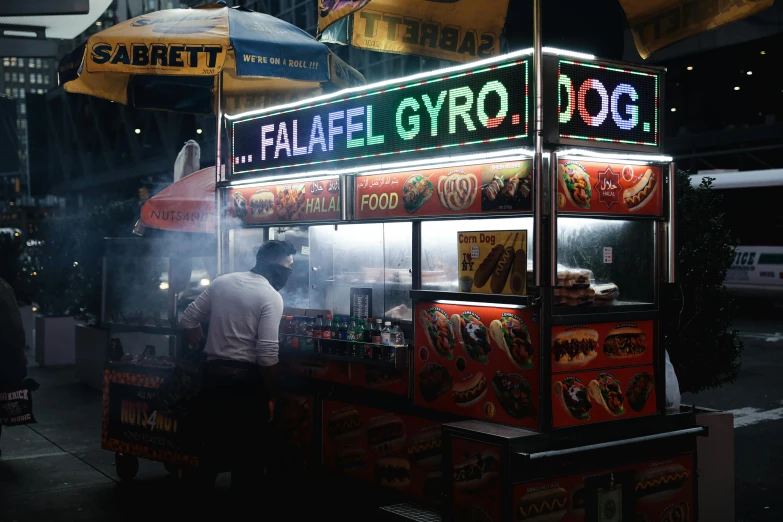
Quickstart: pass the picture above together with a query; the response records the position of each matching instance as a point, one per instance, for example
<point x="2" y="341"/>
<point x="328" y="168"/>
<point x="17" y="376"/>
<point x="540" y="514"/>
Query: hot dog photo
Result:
<point x="493" y="262"/>
<point x="611" y="188"/>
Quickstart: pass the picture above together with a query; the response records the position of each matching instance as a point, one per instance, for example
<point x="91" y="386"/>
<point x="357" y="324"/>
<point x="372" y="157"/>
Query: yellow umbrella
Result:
<point x="177" y="59"/>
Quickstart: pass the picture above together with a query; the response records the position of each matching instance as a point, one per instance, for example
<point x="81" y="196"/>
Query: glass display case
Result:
<point x="331" y="260"/>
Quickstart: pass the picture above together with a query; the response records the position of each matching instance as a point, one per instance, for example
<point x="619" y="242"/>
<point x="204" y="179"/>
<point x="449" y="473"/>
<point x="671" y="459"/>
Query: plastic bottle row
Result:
<point x="346" y="336"/>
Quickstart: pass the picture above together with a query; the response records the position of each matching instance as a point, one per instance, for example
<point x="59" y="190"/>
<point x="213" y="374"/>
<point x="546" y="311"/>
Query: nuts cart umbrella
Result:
<point x="185" y="206"/>
<point x="176" y="60"/>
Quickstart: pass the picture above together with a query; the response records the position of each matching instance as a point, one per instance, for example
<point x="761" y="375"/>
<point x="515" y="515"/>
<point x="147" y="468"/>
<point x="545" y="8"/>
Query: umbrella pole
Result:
<point x="218" y="210"/>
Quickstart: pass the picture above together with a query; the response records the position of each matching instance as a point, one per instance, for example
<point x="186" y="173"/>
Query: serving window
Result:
<point x="331" y="261"/>
<point x="605" y="262"/>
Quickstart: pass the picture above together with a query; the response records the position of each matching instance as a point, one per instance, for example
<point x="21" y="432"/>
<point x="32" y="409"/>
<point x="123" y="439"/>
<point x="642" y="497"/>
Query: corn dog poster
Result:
<point x="478" y="362"/>
<point x="493" y="262"/>
<point x="466" y="189"/>
<point x="609" y="188"/>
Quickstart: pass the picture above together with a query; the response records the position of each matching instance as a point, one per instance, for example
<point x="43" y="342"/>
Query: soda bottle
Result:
<point x="326" y="335"/>
<point x="397" y="341"/>
<point x="318" y="328"/>
<point x="376" y="340"/>
<point x="343" y="350"/>
<point x="352" y="330"/>
<point x="308" y="332"/>
<point x="335" y="337"/>
<point x="368" y="334"/>
<point x="397" y="337"/>
<point x="295" y="326"/>
<point x="357" y="348"/>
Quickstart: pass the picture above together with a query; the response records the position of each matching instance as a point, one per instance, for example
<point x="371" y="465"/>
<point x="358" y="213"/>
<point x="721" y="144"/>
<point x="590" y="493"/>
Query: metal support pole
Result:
<point x="538" y="250"/>
<point x="671" y="254"/>
<point x="218" y="210"/>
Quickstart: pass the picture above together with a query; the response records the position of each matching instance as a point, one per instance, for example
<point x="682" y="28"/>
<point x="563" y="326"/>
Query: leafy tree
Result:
<point x="703" y="346"/>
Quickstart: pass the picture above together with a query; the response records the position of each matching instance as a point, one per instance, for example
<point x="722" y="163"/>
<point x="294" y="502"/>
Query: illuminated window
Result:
<point x="13" y="62"/>
<point x="40" y="79"/>
<point x="32" y="63"/>
<point x="21" y="93"/>
<point x="7" y="77"/>
<point x="38" y="63"/>
<point x="21" y="77"/>
<point x="21" y="62"/>
<point x="41" y="91"/>
<point x="16" y="92"/>
<point x="14" y="77"/>
<point x="32" y="78"/>
<point x="8" y="91"/>
<point x="22" y="108"/>
<point x="6" y="62"/>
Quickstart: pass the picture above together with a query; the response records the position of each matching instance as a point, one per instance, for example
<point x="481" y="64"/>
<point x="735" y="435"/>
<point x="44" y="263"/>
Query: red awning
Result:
<point x="185" y="206"/>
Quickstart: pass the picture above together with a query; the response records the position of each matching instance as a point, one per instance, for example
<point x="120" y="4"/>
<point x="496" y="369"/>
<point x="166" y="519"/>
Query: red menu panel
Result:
<point x="293" y="420"/>
<point x="609" y="188"/>
<point x="311" y="200"/>
<point x="475" y="481"/>
<point x="664" y="493"/>
<point x="477" y="361"/>
<point x="471" y="189"/>
<point x="390" y="380"/>
<point x="602" y="345"/>
<point x="598" y="396"/>
<point x="395" y="451"/>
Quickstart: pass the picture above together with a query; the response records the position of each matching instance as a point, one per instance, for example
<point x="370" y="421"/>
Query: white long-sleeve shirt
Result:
<point x="244" y="313"/>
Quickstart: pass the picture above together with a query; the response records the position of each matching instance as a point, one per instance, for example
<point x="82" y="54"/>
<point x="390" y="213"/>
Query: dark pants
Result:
<point x="233" y="419"/>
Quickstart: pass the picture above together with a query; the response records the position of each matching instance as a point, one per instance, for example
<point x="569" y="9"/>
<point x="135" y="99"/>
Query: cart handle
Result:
<point x="701" y="430"/>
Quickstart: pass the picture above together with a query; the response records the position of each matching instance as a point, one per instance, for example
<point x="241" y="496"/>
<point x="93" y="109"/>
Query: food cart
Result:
<point x="525" y="264"/>
<point x="147" y="284"/>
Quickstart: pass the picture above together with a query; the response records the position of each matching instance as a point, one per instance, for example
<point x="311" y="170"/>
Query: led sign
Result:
<point x="603" y="105"/>
<point x="474" y="107"/>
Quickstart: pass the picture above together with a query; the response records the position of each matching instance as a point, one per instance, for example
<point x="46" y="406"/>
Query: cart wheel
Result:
<point x="171" y="468"/>
<point x="126" y="465"/>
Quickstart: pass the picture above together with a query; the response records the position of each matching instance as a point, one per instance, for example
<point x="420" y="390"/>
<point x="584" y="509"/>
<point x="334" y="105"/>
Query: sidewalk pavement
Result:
<point x="55" y="470"/>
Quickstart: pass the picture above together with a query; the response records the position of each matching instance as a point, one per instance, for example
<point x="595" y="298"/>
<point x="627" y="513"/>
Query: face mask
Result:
<point x="277" y="275"/>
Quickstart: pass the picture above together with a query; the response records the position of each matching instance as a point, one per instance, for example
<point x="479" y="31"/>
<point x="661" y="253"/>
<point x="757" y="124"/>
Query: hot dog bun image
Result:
<point x="660" y="483"/>
<point x="575" y="348"/>
<point x="469" y="392"/>
<point x="640" y="193"/>
<point x="477" y="473"/>
<point x="345" y="425"/>
<point x="543" y="506"/>
<point x="386" y="435"/>
<point x="424" y="449"/>
<point x="625" y="342"/>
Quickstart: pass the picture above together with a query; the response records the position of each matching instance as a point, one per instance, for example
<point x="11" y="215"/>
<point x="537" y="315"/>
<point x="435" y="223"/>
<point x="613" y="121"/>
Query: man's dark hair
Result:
<point x="273" y="251"/>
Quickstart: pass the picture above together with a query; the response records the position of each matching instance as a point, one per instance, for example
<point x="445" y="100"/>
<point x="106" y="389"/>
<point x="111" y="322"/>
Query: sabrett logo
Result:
<point x="143" y="55"/>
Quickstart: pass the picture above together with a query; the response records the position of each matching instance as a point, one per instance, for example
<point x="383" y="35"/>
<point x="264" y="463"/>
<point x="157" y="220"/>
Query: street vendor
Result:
<point x="237" y="398"/>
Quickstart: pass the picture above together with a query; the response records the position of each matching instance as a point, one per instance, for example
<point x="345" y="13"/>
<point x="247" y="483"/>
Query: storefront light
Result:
<point x="749" y="73"/>
<point x="613" y="156"/>
<point x="385" y="168"/>
<point x="204" y="282"/>
<point x="137" y="131"/>
<point x="199" y="131"/>
<point x="736" y="88"/>
<point x="164" y="286"/>
<point x="469" y="303"/>
<point x="690" y="67"/>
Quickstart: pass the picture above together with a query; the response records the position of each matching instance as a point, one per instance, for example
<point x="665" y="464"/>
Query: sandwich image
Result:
<point x="575" y="348"/>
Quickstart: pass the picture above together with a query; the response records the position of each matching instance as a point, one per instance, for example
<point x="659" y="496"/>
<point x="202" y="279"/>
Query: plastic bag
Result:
<point x="672" y="388"/>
